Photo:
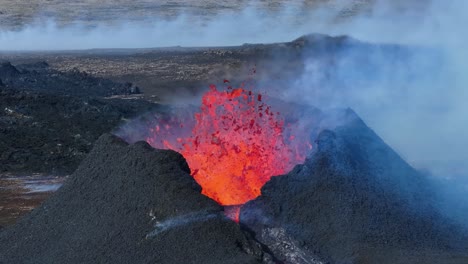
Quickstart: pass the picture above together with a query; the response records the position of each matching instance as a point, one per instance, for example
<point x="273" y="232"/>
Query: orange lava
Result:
<point x="236" y="145"/>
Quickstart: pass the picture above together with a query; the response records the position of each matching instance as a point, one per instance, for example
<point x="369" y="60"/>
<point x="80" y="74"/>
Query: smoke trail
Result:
<point x="181" y="220"/>
<point x="412" y="94"/>
<point x="252" y="24"/>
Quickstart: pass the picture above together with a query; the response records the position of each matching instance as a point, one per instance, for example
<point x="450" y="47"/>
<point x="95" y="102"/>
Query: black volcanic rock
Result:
<point x="41" y="78"/>
<point x="8" y="71"/>
<point x="34" y="66"/>
<point x="49" y="119"/>
<point x="128" y="204"/>
<point x="45" y="133"/>
<point x="353" y="201"/>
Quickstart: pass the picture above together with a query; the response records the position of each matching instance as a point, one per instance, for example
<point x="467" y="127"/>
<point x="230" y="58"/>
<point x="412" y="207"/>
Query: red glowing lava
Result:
<point x="236" y="145"/>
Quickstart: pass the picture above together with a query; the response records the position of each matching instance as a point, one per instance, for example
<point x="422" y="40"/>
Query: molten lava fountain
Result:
<point x="237" y="144"/>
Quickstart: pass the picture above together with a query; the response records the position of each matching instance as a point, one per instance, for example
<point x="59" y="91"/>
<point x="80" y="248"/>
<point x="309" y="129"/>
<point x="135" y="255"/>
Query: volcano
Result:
<point x="354" y="200"/>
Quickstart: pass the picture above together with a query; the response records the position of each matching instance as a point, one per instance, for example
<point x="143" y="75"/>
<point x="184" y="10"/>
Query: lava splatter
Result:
<point x="237" y="143"/>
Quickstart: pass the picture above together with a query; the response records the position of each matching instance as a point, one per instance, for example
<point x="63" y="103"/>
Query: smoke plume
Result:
<point x="251" y="24"/>
<point x="414" y="97"/>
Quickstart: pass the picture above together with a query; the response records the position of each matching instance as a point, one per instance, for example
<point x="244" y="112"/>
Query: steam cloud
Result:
<point x="227" y="28"/>
<point x="418" y="105"/>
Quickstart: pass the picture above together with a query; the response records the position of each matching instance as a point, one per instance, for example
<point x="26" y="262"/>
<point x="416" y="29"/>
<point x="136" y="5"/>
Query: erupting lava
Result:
<point x="236" y="145"/>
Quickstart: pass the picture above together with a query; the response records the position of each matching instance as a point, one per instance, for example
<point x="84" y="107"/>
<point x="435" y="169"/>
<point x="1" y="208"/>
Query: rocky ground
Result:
<point x="52" y="134"/>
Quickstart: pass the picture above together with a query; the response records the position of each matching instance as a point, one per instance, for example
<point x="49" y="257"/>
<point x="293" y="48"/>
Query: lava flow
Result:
<point x="236" y="145"/>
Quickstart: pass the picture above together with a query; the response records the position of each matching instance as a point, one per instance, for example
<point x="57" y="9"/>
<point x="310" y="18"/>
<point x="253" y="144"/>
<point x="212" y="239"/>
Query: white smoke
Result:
<point x="418" y="103"/>
<point x="182" y="220"/>
<point x="225" y="28"/>
<point x="418" y="106"/>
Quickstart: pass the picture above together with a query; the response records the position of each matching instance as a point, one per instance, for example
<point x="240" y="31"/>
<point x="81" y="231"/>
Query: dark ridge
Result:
<point x="354" y="201"/>
<point x="7" y="70"/>
<point x="34" y="66"/>
<point x="310" y="40"/>
<point x="128" y="204"/>
<point x="40" y="77"/>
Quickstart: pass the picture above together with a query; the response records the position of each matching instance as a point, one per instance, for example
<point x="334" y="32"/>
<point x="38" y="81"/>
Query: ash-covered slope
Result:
<point x="353" y="201"/>
<point x="128" y="204"/>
